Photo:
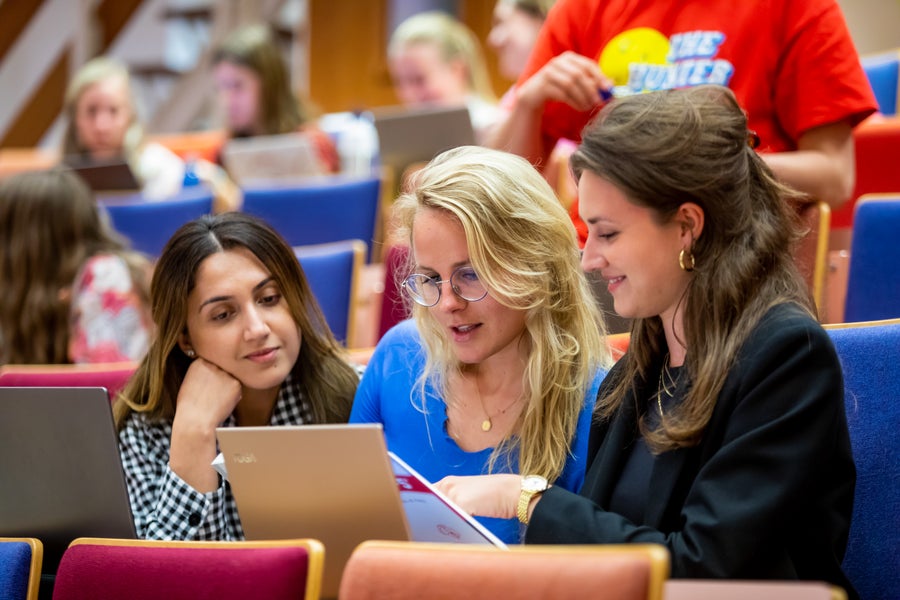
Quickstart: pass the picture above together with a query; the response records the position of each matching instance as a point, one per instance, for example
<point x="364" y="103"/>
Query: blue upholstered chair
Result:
<point x="332" y="271"/>
<point x="20" y="568"/>
<point x="882" y="71"/>
<point x="318" y="213"/>
<point x="873" y="286"/>
<point x="149" y="225"/>
<point x="870" y="357"/>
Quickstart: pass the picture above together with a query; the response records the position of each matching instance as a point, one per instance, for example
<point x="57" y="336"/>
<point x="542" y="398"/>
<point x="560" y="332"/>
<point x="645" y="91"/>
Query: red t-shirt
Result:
<point x="791" y="63"/>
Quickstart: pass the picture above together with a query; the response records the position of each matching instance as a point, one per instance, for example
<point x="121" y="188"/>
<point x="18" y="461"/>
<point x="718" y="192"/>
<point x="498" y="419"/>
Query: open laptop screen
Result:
<point x="60" y="472"/>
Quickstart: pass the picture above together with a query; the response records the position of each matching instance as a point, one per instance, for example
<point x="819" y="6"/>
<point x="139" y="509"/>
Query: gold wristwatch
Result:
<point x="531" y="486"/>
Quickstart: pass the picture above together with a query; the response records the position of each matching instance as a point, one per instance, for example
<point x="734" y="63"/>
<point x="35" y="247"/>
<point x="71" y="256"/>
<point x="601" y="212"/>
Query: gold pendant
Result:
<point x="486" y="425"/>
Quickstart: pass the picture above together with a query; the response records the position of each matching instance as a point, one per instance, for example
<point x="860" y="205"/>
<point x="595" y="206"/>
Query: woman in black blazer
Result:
<point x="721" y="433"/>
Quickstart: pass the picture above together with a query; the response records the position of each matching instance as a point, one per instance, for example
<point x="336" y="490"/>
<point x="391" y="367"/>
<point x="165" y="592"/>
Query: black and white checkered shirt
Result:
<point x="163" y="505"/>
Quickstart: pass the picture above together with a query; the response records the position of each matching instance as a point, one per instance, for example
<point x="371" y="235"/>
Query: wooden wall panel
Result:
<point x="112" y="16"/>
<point x="14" y="16"/>
<point x="348" y="65"/>
<point x="41" y="110"/>
<point x="348" y="68"/>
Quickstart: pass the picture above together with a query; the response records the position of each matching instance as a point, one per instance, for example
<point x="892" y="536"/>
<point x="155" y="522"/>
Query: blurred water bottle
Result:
<point x="358" y="145"/>
<point x="190" y="173"/>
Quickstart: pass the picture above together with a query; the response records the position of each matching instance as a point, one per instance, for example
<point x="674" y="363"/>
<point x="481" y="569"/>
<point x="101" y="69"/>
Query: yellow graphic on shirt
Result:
<point x="643" y="60"/>
<point x="640" y="45"/>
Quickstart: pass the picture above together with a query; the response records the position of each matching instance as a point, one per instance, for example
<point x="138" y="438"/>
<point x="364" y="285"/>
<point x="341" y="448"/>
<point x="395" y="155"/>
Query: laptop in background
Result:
<point x="113" y="176"/>
<point x="271" y="158"/>
<point x="407" y="136"/>
<point x="337" y="484"/>
<point x="60" y="472"/>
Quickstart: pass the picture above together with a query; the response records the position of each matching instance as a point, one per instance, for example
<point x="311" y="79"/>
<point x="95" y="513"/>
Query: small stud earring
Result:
<point x="190" y="353"/>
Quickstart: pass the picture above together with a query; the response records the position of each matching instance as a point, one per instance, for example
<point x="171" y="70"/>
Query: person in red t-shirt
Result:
<point x="790" y="63"/>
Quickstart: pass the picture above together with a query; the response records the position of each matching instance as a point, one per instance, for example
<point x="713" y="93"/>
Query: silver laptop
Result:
<point x="407" y="136"/>
<point x="267" y="159"/>
<point x="60" y="472"/>
<point x="337" y="484"/>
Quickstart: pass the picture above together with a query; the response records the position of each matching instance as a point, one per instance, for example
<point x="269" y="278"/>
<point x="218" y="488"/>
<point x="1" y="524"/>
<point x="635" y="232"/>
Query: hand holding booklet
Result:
<point x="337" y="484"/>
<point x="431" y="515"/>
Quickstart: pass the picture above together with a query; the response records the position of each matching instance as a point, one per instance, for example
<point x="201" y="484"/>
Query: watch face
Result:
<point x="534" y="483"/>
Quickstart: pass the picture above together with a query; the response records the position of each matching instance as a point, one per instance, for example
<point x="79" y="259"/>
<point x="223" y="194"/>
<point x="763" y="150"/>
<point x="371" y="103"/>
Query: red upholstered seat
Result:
<point x="112" y="376"/>
<point x="100" y="569"/>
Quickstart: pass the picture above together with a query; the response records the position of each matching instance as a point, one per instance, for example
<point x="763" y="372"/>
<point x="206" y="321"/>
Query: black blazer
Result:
<point x="768" y="492"/>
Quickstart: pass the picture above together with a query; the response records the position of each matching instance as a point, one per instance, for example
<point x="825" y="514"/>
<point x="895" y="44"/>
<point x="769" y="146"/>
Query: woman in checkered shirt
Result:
<point x="240" y="341"/>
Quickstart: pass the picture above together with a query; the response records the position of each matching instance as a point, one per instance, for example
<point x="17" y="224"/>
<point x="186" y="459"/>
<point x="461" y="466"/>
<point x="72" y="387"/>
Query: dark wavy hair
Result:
<point x="254" y="47"/>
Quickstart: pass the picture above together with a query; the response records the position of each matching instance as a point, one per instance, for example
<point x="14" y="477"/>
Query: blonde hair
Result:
<point x="523" y="246"/>
<point x="453" y="39"/>
<point x="99" y="69"/>
<point x="664" y="149"/>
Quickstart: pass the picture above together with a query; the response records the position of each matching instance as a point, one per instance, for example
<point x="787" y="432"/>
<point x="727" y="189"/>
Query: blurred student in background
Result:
<point x="103" y="126"/>
<point x="241" y="342"/>
<point x="72" y="291"/>
<point x="513" y="33"/>
<point x="255" y="96"/>
<point x="435" y="60"/>
<point x="499" y="369"/>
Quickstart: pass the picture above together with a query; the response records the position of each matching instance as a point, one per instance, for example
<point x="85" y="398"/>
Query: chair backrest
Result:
<point x="873" y="284"/>
<point x="193" y="144"/>
<point x="811" y="254"/>
<point x="408" y="570"/>
<point x="870" y="358"/>
<point x="393" y="307"/>
<point x="875" y="142"/>
<point x="149" y="225"/>
<point x="333" y="272"/>
<point x="20" y="568"/>
<point x="105" y="568"/>
<point x="708" y="589"/>
<point x="341" y="209"/>
<point x="882" y="71"/>
<point x="111" y="376"/>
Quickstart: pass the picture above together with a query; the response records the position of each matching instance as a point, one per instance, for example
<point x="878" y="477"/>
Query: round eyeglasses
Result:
<point x="426" y="289"/>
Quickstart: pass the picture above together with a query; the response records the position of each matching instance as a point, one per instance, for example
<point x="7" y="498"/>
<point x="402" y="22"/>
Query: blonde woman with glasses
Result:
<point x="498" y="369"/>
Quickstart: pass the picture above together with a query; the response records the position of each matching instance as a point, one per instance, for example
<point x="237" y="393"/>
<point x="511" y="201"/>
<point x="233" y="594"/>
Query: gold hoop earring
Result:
<point x="682" y="263"/>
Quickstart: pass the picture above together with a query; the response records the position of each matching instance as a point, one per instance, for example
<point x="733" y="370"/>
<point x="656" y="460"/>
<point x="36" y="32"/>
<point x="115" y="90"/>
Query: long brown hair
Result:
<point x="254" y="47"/>
<point x="692" y="145"/>
<point x="328" y="381"/>
<point x="50" y="226"/>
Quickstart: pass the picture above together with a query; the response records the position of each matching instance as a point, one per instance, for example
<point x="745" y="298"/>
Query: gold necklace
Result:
<point x="665" y="374"/>
<point x="487" y="424"/>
